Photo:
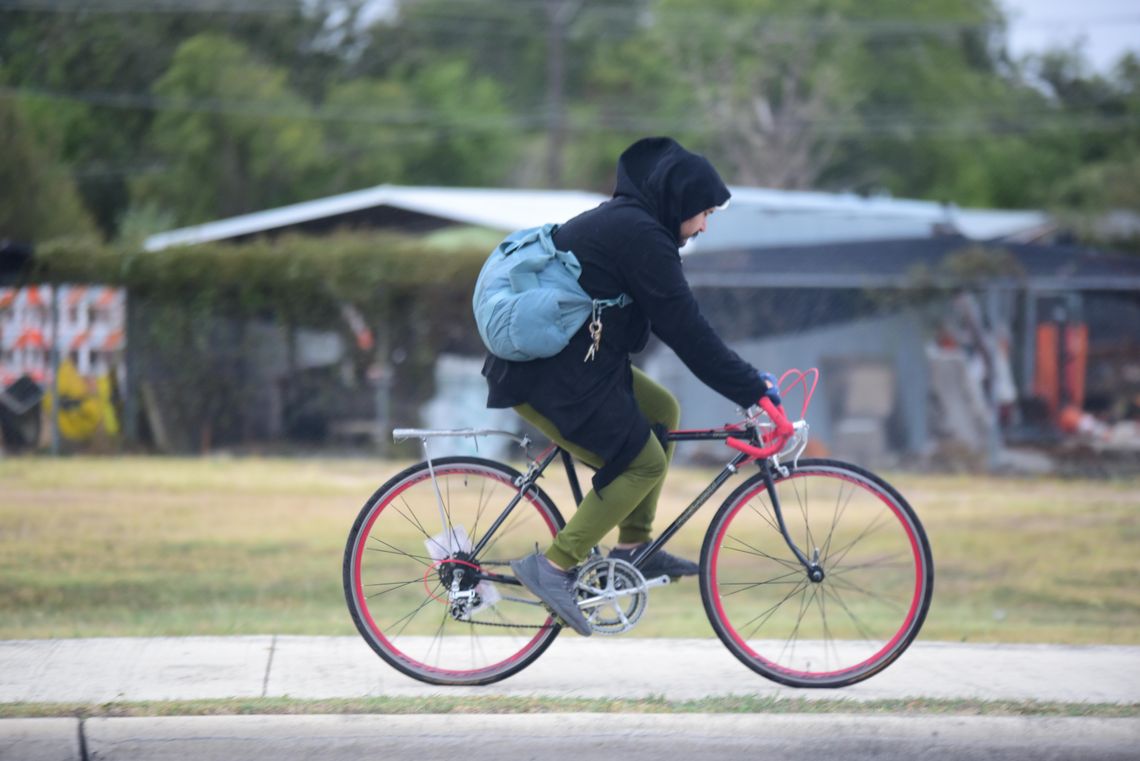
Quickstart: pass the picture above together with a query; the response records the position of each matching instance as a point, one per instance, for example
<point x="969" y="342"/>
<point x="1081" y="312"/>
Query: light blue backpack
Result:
<point x="528" y="303"/>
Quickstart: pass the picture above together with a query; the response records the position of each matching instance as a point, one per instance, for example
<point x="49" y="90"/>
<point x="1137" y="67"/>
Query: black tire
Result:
<point x="396" y="567"/>
<point x="868" y="608"/>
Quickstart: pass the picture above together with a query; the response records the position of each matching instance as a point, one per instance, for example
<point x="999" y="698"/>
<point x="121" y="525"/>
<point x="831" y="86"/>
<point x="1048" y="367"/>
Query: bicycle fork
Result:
<point x="812" y="566"/>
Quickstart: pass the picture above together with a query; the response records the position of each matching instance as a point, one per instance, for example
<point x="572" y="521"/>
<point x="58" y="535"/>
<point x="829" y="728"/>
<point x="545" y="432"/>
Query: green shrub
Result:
<point x="198" y="316"/>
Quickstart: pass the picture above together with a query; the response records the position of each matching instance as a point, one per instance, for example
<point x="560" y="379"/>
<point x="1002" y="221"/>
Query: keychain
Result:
<point x="595" y="333"/>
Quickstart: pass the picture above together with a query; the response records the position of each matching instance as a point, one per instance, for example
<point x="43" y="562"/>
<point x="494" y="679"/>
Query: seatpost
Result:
<point x="572" y="476"/>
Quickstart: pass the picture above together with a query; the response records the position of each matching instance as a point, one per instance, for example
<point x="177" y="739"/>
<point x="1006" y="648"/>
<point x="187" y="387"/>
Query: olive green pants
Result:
<point x="630" y="500"/>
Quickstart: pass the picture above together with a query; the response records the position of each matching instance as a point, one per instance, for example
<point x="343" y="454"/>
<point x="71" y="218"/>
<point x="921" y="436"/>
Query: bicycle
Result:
<point x="825" y="594"/>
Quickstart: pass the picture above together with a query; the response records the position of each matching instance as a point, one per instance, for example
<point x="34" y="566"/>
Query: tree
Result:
<point x="440" y="124"/>
<point x="1105" y="176"/>
<point x="470" y="131"/>
<point x="369" y="132"/>
<point x="233" y="135"/>
<point x="84" y="78"/>
<point x="38" y="200"/>
<point x="759" y="81"/>
<point x="1109" y="173"/>
<point x="540" y="54"/>
<point x="821" y="93"/>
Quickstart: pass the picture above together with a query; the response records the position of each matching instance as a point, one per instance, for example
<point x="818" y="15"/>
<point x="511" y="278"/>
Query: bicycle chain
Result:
<point x="504" y="626"/>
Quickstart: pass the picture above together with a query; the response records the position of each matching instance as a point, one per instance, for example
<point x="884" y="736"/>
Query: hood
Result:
<point x="669" y="181"/>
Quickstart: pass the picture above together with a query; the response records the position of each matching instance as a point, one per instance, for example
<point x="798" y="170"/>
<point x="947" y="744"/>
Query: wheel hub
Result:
<point x="458" y="566"/>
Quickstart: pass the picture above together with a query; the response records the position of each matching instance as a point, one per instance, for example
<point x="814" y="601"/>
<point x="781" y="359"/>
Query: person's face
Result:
<point x="695" y="225"/>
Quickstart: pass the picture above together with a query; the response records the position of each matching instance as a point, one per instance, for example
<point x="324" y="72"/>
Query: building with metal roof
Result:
<point x="755" y="217"/>
<point x="785" y="277"/>
<point x="892" y="310"/>
<point x="911" y="262"/>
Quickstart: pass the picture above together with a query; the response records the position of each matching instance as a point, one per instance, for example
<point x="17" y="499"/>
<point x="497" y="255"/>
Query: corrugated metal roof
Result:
<point x="757" y="217"/>
<point x="501" y="209"/>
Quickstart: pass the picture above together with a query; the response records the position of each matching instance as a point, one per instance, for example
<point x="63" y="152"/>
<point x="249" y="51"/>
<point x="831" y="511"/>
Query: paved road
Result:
<point x="103" y="670"/>
<point x="570" y="737"/>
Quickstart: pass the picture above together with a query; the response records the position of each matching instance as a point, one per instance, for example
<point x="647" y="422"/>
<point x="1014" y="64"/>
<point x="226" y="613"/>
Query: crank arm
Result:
<point x="600" y="598"/>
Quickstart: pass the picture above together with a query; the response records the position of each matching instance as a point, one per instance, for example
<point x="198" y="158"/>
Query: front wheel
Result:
<point x="426" y="573"/>
<point x="876" y="585"/>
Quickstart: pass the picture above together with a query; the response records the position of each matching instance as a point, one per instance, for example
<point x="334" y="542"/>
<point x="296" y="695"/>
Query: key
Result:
<point x="596" y="336"/>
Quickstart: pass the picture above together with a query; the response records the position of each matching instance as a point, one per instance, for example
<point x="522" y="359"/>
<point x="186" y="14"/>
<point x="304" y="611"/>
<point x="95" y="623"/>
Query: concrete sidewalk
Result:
<point x="195" y="668"/>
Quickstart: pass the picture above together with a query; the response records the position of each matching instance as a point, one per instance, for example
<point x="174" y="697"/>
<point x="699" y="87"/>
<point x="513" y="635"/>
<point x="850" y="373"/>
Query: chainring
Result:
<point x="612" y="595"/>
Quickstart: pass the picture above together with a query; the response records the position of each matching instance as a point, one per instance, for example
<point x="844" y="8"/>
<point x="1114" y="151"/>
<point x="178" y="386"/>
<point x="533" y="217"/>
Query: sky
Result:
<point x="1107" y="28"/>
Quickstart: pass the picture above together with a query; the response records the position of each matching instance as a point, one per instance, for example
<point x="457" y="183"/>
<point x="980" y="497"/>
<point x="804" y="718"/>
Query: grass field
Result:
<point x="150" y="546"/>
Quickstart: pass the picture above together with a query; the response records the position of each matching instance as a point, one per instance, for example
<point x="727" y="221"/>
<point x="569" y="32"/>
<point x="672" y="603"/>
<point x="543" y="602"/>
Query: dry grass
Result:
<point x="149" y="546"/>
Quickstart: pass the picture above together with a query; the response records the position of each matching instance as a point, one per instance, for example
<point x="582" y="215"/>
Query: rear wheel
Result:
<point x="876" y="586"/>
<point x="418" y="594"/>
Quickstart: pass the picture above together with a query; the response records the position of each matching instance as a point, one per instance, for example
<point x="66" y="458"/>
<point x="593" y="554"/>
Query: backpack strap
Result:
<point x="524" y="275"/>
<point x="623" y="300"/>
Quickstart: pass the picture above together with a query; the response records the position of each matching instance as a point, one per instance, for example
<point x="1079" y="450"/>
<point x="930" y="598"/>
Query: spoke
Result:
<point x="476" y="644"/>
<point x="447" y="509"/>
<point x="407" y="618"/>
<point x="437" y="642"/>
<point x="511" y="524"/>
<point x="767" y="515"/>
<point x="480" y="506"/>
<point x="394" y="550"/>
<point x="840" y="508"/>
<point x="473" y="641"/>
<point x="859" y="626"/>
<point x="828" y="637"/>
<point x="802" y="500"/>
<point x="747" y="549"/>
<point x="904" y="561"/>
<point x="394" y="585"/>
<point x="787" y="578"/>
<point x="411" y="519"/>
<point x="870" y="529"/>
<point x="484" y="496"/>
<point x="769" y="612"/>
<point x="849" y="587"/>
<point x="805" y="604"/>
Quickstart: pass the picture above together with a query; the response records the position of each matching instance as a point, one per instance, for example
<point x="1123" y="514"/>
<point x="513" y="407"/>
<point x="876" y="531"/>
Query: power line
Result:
<point x="882" y="125"/>
<point x="461" y="13"/>
<point x="275" y="110"/>
<point x="115" y="7"/>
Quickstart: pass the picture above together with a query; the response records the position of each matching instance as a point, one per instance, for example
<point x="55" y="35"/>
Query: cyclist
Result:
<point x="590" y="399"/>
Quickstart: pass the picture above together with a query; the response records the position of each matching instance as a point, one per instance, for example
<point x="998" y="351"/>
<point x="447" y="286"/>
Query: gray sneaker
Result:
<point x="661" y="564"/>
<point x="558" y="589"/>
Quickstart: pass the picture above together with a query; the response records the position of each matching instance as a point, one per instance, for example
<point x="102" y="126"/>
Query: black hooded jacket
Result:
<point x="629" y="244"/>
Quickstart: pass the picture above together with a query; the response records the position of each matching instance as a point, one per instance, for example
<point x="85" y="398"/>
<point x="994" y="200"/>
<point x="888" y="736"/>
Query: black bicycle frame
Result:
<point x="539" y="467"/>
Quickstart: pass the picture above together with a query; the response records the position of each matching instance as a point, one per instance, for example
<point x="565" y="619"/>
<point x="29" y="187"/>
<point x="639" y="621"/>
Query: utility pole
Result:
<point x="559" y="14"/>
